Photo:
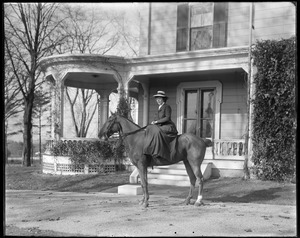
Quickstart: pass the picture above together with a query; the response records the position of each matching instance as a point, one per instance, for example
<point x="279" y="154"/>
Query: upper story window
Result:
<point x="201" y="25"/>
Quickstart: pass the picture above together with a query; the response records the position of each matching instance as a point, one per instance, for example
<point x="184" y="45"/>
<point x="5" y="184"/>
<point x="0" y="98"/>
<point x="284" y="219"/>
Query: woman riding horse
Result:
<point x="189" y="148"/>
<point x="161" y="132"/>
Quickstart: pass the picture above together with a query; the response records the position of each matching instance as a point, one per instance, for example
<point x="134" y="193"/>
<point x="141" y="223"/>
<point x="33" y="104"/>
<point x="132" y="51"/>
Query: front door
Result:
<point x="199" y="112"/>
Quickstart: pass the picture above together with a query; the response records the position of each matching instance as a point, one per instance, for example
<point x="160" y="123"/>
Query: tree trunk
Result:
<point x="27" y="134"/>
<point x="40" y="135"/>
<point x="5" y="141"/>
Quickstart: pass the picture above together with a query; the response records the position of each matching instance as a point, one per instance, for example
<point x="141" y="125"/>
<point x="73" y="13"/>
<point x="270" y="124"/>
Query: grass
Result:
<point x="31" y="178"/>
<point x="219" y="190"/>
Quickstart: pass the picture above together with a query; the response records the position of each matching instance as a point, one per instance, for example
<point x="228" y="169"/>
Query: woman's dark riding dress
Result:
<point x="159" y="135"/>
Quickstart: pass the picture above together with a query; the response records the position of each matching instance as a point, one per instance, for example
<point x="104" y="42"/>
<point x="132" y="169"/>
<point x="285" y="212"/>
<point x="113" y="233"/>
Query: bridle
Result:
<point x="119" y="130"/>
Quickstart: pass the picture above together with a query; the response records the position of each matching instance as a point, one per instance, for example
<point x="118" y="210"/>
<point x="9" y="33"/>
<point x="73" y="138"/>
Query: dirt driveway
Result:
<point x="49" y="213"/>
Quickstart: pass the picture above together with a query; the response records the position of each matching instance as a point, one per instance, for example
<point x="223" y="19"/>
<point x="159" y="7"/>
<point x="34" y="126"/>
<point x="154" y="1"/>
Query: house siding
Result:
<point x="163" y="28"/>
<point x="238" y="24"/>
<point x="272" y="20"/>
<point x="233" y="107"/>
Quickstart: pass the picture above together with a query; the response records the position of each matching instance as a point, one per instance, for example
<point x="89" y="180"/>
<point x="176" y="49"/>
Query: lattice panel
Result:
<point x="78" y="168"/>
<point x="48" y="166"/>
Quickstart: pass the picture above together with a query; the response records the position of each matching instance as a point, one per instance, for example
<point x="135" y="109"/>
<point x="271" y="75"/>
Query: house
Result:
<point x="198" y="53"/>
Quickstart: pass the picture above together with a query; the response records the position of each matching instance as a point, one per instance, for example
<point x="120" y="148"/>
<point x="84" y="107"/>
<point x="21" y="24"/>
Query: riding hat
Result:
<point x="160" y="94"/>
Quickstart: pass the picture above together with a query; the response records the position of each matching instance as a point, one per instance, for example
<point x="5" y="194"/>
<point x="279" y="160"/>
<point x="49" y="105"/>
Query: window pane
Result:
<point x="220" y="24"/>
<point x="220" y="12"/>
<point x="182" y="15"/>
<point x="201" y="14"/>
<point x="190" y="104"/>
<point x="201" y="38"/>
<point x="207" y="114"/>
<point x="190" y="126"/>
<point x="220" y="34"/>
<point x="181" y="40"/>
<point x="190" y="112"/>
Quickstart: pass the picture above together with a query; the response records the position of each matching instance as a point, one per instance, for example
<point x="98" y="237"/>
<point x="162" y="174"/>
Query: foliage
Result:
<point x="86" y="151"/>
<point x="274" y="123"/>
<point x="123" y="107"/>
<point x="15" y="148"/>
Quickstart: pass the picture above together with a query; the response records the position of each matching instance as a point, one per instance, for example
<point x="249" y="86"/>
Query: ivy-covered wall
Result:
<point x="274" y="116"/>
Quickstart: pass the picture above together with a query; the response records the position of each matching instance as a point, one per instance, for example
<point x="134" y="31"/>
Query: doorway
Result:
<point x="199" y="112"/>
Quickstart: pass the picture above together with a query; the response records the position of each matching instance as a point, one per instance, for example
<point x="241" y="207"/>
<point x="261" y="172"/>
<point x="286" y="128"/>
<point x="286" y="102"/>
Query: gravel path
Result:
<point x="49" y="213"/>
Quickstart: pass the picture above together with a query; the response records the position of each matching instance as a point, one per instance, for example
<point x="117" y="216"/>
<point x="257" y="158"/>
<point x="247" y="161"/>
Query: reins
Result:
<point x="133" y="132"/>
<point x="123" y="135"/>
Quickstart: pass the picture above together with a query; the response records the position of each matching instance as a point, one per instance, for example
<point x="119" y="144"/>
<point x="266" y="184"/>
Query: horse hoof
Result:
<point x="146" y="205"/>
<point x="187" y="202"/>
<point x="198" y="204"/>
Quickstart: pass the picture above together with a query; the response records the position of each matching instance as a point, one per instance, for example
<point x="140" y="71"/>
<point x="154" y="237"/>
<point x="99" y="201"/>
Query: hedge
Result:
<point x="89" y="151"/>
<point x="274" y="110"/>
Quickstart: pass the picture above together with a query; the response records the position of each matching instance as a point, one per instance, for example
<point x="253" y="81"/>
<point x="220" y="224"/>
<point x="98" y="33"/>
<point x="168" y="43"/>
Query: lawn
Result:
<point x="31" y="178"/>
<point x="218" y="190"/>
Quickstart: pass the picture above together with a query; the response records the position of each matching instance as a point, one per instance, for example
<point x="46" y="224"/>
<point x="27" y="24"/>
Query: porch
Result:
<point x="192" y="80"/>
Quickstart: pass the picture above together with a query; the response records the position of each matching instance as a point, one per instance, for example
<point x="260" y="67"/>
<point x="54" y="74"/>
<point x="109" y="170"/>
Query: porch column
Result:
<point x="57" y="106"/>
<point x="103" y="107"/>
<point x="62" y="111"/>
<point x="51" y="84"/>
<point x="252" y="95"/>
<point x="145" y="103"/>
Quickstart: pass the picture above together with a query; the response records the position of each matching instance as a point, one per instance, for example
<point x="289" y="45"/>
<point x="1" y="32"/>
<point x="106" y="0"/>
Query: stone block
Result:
<point x="130" y="189"/>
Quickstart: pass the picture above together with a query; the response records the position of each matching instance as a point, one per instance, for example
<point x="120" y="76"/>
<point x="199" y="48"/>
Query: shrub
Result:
<point x="84" y="151"/>
<point x="274" y="115"/>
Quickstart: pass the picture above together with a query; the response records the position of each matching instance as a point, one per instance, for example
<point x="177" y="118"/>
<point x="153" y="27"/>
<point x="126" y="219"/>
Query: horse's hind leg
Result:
<point x="199" y="199"/>
<point x="198" y="174"/>
<point x="192" y="181"/>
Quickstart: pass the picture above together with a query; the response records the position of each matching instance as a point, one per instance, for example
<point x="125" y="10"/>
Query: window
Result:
<point x="199" y="112"/>
<point x="201" y="26"/>
<point x="198" y="108"/>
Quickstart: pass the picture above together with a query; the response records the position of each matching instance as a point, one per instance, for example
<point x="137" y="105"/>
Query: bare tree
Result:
<point x="30" y="34"/>
<point x="128" y="30"/>
<point x="12" y="101"/>
<point x="87" y="33"/>
<point x="82" y="110"/>
<point x="92" y="34"/>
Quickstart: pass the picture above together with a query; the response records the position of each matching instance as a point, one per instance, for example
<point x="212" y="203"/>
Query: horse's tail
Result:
<point x="207" y="142"/>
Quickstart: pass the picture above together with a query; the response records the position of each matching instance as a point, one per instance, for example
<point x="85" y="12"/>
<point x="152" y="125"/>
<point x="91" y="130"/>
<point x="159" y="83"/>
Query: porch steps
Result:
<point x="227" y="167"/>
<point x="174" y="174"/>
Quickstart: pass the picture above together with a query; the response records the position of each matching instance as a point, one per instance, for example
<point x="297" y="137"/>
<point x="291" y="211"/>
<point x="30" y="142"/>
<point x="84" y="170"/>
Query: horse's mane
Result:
<point x="118" y="114"/>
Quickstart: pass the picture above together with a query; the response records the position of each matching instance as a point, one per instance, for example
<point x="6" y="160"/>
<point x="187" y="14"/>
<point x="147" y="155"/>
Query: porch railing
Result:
<point x="229" y="149"/>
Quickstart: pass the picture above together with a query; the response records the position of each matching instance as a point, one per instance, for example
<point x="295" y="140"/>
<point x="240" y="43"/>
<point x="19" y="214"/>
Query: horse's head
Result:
<point x="110" y="127"/>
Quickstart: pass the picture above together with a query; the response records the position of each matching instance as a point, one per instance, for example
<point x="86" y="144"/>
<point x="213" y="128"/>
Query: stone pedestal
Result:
<point x="130" y="189"/>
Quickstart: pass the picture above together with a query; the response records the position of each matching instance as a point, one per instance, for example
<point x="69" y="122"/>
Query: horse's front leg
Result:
<point x="144" y="183"/>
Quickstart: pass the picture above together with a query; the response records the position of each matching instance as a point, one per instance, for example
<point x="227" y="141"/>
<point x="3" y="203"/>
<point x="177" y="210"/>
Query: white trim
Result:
<point x="192" y="85"/>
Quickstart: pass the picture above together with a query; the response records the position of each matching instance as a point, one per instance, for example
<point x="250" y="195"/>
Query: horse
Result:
<point x="190" y="149"/>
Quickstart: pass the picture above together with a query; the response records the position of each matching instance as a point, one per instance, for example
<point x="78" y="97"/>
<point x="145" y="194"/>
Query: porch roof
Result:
<point x="107" y="72"/>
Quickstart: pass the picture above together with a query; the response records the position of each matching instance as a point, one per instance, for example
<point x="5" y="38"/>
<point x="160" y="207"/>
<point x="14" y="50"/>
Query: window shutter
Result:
<point x="182" y="27"/>
<point x="220" y="24"/>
